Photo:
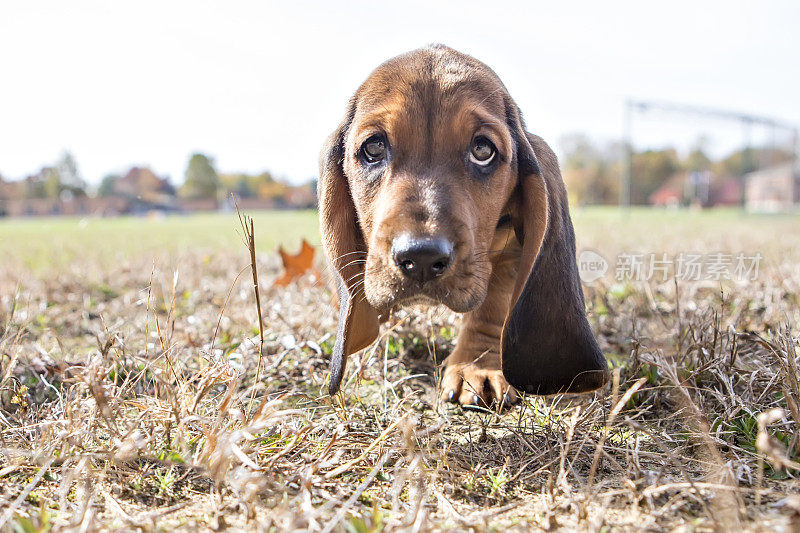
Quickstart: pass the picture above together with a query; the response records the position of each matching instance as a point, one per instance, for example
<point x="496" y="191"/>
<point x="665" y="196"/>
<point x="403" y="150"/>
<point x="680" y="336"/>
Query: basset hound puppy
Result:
<point x="433" y="192"/>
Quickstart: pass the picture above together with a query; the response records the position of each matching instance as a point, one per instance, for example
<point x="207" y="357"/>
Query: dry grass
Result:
<point x="131" y="399"/>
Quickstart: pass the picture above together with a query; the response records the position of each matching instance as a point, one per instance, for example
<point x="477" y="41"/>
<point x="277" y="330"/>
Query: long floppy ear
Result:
<point x="547" y="344"/>
<point x="345" y="249"/>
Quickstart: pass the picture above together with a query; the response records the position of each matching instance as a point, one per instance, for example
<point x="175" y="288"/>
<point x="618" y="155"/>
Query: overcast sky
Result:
<point x="258" y="84"/>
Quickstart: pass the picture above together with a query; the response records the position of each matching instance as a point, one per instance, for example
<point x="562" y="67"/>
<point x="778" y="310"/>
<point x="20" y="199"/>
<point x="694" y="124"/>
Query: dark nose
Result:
<point x="422" y="259"/>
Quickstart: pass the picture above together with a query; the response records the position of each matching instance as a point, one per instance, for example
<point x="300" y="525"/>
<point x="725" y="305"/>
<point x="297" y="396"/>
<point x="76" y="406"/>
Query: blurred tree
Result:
<point x="246" y="185"/>
<point x="651" y="169"/>
<point x="740" y="162"/>
<point x="747" y="160"/>
<point x="275" y="190"/>
<point x="202" y="180"/>
<point x="68" y="174"/>
<point x="238" y="184"/>
<point x="108" y="185"/>
<point x="697" y="159"/>
<point x="579" y="165"/>
<point x="33" y="186"/>
<point x="52" y="183"/>
<point x="591" y="174"/>
<point x="579" y="151"/>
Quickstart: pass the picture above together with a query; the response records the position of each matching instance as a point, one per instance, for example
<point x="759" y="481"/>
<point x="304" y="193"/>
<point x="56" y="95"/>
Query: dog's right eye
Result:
<point x="482" y="151"/>
<point x="374" y="148"/>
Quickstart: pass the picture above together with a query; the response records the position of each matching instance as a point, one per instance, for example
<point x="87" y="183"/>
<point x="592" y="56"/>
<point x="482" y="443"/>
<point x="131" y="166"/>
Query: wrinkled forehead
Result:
<point x="409" y="99"/>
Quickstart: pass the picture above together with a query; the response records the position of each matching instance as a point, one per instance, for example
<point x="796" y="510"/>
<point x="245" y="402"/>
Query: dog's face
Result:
<point x="428" y="156"/>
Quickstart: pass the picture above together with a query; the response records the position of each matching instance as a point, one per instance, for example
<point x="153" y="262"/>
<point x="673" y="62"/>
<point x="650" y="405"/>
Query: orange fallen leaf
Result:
<point x="296" y="266"/>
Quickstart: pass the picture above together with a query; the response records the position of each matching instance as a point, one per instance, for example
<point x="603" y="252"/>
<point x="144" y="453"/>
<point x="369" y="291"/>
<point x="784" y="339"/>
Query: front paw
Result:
<point x="477" y="383"/>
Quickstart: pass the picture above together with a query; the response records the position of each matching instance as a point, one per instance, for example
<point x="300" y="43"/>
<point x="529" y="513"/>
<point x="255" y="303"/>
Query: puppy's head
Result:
<point x="429" y="158"/>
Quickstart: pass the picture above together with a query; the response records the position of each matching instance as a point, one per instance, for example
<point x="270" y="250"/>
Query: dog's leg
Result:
<point x="472" y="374"/>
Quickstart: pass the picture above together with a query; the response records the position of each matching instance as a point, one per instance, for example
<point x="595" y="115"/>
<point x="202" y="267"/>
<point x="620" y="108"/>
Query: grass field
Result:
<point x="46" y="245"/>
<point x="132" y="395"/>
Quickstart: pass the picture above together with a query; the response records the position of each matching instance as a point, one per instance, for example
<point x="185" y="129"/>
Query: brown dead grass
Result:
<point x="124" y="406"/>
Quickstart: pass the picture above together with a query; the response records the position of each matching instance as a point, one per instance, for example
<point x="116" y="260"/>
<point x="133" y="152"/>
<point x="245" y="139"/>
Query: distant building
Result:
<point x="726" y="191"/>
<point x="670" y="194"/>
<point x="302" y="196"/>
<point x="140" y="191"/>
<point x="773" y="189"/>
<point x="698" y="188"/>
<point x="291" y="197"/>
<point x="142" y="183"/>
<point x="145" y="191"/>
<point x="6" y="192"/>
<point x="198" y="204"/>
<point x="76" y="206"/>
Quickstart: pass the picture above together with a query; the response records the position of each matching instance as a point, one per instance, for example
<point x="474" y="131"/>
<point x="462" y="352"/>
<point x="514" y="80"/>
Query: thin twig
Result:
<point x="249" y="235"/>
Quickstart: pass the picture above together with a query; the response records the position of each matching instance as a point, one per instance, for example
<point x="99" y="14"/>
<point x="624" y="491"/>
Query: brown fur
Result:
<point x="517" y="283"/>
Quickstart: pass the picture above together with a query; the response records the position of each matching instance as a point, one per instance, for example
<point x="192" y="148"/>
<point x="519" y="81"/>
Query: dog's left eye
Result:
<point x="374" y="148"/>
<point x="482" y="151"/>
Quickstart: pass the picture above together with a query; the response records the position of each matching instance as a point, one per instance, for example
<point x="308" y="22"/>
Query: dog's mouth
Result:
<point x="416" y="300"/>
<point x="393" y="292"/>
<point x="394" y="295"/>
